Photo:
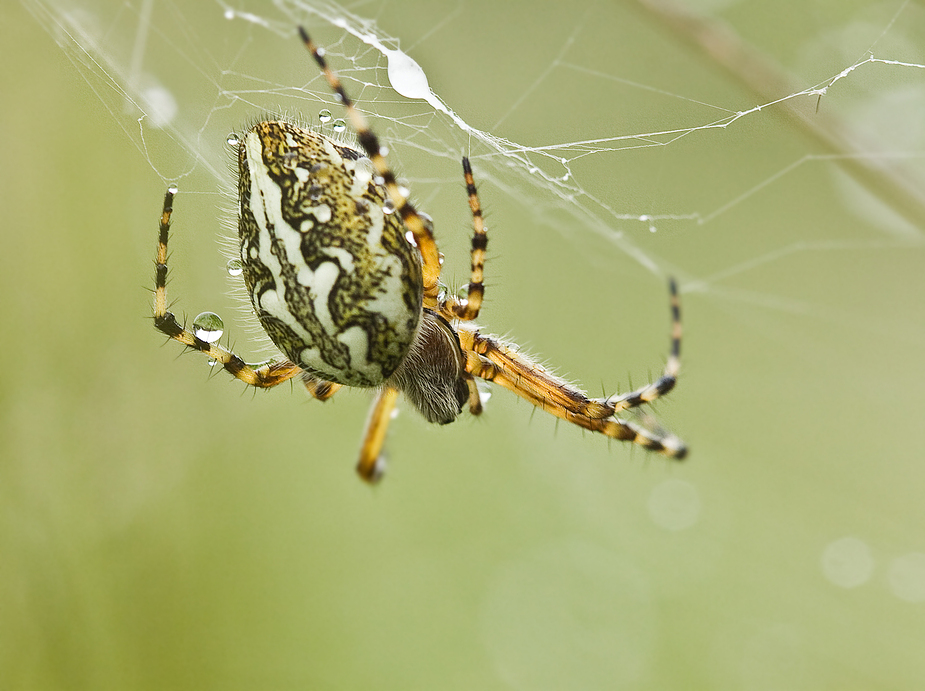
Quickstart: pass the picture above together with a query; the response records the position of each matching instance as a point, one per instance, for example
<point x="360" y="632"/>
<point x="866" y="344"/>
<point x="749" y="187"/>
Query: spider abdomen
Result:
<point x="331" y="276"/>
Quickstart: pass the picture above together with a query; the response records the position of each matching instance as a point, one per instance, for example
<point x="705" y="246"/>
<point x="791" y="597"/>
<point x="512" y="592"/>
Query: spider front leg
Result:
<point x="264" y="375"/>
<point x="423" y="236"/>
<point x="468" y="309"/>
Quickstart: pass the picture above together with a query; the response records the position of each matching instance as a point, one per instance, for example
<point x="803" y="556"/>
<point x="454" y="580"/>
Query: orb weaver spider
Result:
<point x="343" y="273"/>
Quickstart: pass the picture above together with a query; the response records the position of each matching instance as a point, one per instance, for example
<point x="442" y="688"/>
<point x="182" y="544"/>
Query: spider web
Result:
<point x="776" y="172"/>
<point x="179" y="79"/>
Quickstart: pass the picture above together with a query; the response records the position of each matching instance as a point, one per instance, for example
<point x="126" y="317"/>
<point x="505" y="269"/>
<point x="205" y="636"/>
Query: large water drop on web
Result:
<point x="406" y="76"/>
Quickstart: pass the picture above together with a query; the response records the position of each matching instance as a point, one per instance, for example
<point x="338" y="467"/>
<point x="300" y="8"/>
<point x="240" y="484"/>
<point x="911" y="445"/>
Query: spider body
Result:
<point x="330" y="274"/>
<point x="343" y="273"/>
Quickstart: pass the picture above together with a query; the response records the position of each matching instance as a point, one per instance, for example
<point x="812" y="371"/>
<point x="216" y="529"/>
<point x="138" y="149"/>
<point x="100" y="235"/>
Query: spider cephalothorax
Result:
<point x="343" y="273"/>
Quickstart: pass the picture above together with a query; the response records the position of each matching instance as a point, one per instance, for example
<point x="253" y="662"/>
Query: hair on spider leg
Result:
<point x="344" y="276"/>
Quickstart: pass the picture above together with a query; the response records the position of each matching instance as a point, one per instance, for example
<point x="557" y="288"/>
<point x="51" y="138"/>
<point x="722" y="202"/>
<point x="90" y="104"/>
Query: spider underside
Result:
<point x="343" y="274"/>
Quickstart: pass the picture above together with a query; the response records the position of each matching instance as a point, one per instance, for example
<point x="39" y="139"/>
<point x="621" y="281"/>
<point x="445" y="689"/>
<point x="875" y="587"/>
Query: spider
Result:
<point x="343" y="273"/>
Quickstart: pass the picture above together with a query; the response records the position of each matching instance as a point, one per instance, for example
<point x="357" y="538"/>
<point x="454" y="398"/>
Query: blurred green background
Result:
<point x="161" y="530"/>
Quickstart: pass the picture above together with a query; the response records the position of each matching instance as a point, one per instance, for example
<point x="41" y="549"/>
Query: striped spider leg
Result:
<point x="492" y="360"/>
<point x="265" y="375"/>
<point x="439" y="308"/>
<point x="486" y="357"/>
<point x="343" y="274"/>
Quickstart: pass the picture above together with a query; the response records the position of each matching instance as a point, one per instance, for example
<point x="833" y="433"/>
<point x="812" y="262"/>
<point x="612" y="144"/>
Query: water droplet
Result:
<point x="388" y="207"/>
<point x="233" y="139"/>
<point x="339" y="125"/>
<point x="406" y="76"/>
<point x="463" y="291"/>
<point x="229" y="14"/>
<point x="404" y="191"/>
<point x="394" y="413"/>
<point x="315" y="192"/>
<point x="409" y="236"/>
<point x="324" y="116"/>
<point x="383" y="150"/>
<point x="234" y="267"/>
<point x="212" y="362"/>
<point x="645" y="218"/>
<point x="208" y="327"/>
<point x="321" y="52"/>
<point x="173" y="189"/>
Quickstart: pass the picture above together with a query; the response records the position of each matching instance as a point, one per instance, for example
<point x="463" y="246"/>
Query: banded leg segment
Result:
<point x="370" y="143"/>
<point x="319" y="388"/>
<point x="492" y="360"/>
<point x="560" y="392"/>
<point x="532" y="390"/>
<point x="468" y="309"/>
<point x="669" y="378"/>
<point x="263" y="375"/>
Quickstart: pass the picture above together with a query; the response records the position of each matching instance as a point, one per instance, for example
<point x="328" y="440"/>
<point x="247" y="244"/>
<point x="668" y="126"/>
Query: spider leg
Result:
<point x="263" y="375"/>
<point x="423" y="236"/>
<point x="371" y="465"/>
<point x="475" y="400"/>
<point x="489" y="359"/>
<point x="468" y="309"/>
<point x="319" y="388"/>
<point x="669" y="377"/>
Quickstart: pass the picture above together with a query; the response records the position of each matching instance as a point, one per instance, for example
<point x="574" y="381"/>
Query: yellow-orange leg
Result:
<point x="532" y="389"/>
<point x="475" y="399"/>
<point x="423" y="236"/>
<point x="468" y="309"/>
<point x="493" y="360"/>
<point x="669" y="377"/>
<point x="371" y="465"/>
<point x="556" y="391"/>
<point x="319" y="388"/>
<point x="263" y="375"/>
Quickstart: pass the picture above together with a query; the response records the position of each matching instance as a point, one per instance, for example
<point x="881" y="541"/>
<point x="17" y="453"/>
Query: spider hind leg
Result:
<point x="493" y="360"/>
